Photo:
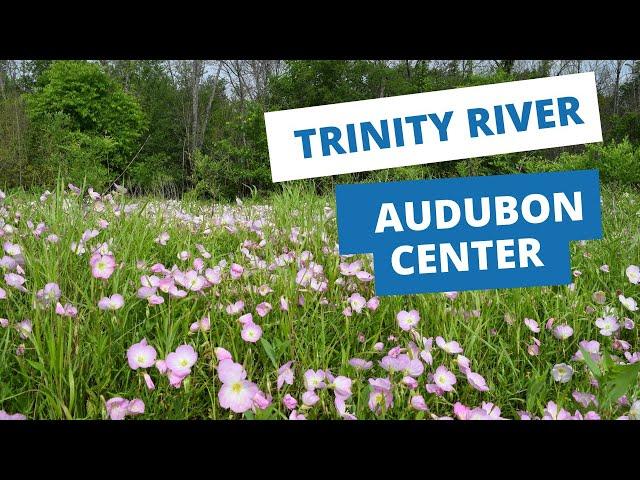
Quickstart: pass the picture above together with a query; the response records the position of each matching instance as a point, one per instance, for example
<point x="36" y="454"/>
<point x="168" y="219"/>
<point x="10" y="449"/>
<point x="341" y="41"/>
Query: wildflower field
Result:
<point x="119" y="307"/>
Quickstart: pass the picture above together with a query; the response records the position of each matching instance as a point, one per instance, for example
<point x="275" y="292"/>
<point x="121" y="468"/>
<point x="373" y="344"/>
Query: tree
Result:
<point x="89" y="109"/>
<point x="505" y="65"/>
<point x="159" y="168"/>
<point x="3" y="80"/>
<point x="199" y="84"/>
<point x="616" y="92"/>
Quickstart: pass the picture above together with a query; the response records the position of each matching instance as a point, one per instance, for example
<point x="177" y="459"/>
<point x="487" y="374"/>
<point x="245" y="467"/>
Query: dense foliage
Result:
<point x="83" y="122"/>
<point x="171" y="127"/>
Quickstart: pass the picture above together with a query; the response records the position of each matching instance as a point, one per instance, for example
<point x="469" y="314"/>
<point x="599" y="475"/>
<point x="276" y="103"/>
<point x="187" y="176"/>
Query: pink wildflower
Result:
<point x="114" y="302"/>
<point x="408" y="320"/>
<point x="181" y="361"/>
<point x="452" y="347"/>
<point x="263" y="308"/>
<point x="102" y="266"/>
<point x="251" y="332"/>
<point x="236" y="393"/>
<point x="141" y="355"/>
<point x="285" y="375"/>
<point x="289" y="402"/>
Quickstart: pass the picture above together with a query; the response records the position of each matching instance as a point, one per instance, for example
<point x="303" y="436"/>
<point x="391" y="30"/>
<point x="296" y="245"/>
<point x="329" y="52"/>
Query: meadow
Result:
<point x="121" y="307"/>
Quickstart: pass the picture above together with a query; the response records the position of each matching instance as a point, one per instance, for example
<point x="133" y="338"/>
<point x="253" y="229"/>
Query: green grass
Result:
<point x="71" y="366"/>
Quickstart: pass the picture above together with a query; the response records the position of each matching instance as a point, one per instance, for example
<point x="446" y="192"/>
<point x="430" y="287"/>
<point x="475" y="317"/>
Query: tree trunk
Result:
<point x="3" y="80"/>
<point x="2" y="87"/>
<point x="207" y="113"/>
<point x="507" y="66"/>
<point x="196" y="68"/>
<point x="616" y="91"/>
<point x="545" y="68"/>
<point x="636" y="79"/>
<point x="468" y="68"/>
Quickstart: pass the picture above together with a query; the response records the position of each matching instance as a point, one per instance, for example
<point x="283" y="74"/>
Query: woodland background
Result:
<point x="196" y="128"/>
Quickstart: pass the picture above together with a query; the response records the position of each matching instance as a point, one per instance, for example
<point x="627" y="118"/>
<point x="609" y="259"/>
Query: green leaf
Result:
<point x="37" y="365"/>
<point x="269" y="413"/>
<point x="533" y="391"/>
<point x="591" y="364"/>
<point x="607" y="361"/>
<point x="72" y="389"/>
<point x="269" y="351"/>
<point x="66" y="411"/>
<point x="620" y="380"/>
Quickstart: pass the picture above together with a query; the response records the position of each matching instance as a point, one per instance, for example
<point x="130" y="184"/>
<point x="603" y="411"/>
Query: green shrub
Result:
<point x="153" y="174"/>
<point x="56" y="148"/>
<point x="238" y="162"/>
<point x="83" y="122"/>
<point x="14" y="165"/>
<point x="625" y="125"/>
<point x="618" y="162"/>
